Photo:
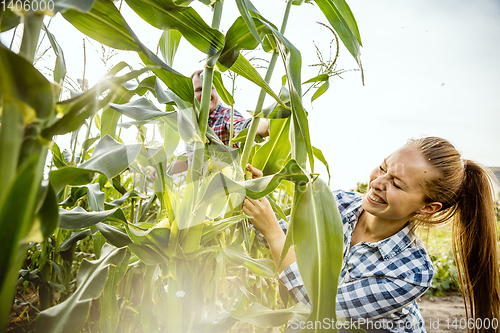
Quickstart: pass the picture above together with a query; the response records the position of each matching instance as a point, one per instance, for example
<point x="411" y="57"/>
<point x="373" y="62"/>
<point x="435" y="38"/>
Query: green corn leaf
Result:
<point x="158" y="237"/>
<point x="69" y="176"/>
<point x="242" y="67"/>
<point x="73" y="238"/>
<point x="77" y="110"/>
<point x="116" y="236"/>
<point x="293" y="62"/>
<point x="318" y="242"/>
<point x="147" y="255"/>
<point x="111" y="157"/>
<point x="242" y="7"/>
<point x="271" y="157"/>
<point x="221" y="90"/>
<point x="319" y="78"/>
<point x="95" y="198"/>
<point x="8" y="20"/>
<point x="11" y="140"/>
<point x="221" y="187"/>
<point x="109" y="300"/>
<point x="150" y="278"/>
<point x="48" y="214"/>
<point x="319" y="155"/>
<point x="16" y="218"/>
<point x="210" y="231"/>
<point x="57" y="157"/>
<point x="103" y="23"/>
<point x="20" y="81"/>
<point x="139" y="109"/>
<point x="71" y="315"/>
<point x="276" y="111"/>
<point x="79" y="218"/>
<point x="262" y="316"/>
<point x="321" y="90"/>
<point x="169" y="42"/>
<point x="123" y="95"/>
<point x="81" y="5"/>
<point x="171" y="139"/>
<point x="342" y="20"/>
<point x="260" y="267"/>
<point x="60" y="67"/>
<point x="243" y="287"/>
<point x="130" y="194"/>
<point x="164" y="14"/>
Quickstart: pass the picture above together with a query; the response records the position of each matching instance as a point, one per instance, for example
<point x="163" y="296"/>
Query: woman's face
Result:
<point x="395" y="192"/>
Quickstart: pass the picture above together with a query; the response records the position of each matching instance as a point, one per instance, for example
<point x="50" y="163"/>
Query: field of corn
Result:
<point x="101" y="237"/>
<point x="98" y="235"/>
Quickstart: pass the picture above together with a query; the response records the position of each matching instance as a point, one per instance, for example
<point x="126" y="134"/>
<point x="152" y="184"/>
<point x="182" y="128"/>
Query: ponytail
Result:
<point x="475" y="244"/>
<point x="464" y="188"/>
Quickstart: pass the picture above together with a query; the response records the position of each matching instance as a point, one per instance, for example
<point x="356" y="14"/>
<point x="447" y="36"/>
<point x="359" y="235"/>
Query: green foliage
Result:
<point x="115" y="242"/>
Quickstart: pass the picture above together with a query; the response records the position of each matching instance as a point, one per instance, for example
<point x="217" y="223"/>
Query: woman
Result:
<point x="385" y="268"/>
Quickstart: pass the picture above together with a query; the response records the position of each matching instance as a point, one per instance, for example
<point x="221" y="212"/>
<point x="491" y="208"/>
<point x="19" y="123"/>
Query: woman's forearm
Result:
<point x="276" y="241"/>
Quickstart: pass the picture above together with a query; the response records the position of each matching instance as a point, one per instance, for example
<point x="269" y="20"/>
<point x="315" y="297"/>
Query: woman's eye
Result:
<point x="382" y="169"/>
<point x="395" y="185"/>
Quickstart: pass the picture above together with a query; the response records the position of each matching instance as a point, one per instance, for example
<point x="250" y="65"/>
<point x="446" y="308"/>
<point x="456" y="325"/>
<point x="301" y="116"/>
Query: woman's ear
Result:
<point x="430" y="208"/>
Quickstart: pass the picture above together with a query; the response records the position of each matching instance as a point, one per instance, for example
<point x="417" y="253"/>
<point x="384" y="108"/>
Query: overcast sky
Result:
<point x="431" y="68"/>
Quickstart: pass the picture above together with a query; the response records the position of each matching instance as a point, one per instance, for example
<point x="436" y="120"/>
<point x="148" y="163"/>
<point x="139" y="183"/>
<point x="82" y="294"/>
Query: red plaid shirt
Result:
<point x="220" y="121"/>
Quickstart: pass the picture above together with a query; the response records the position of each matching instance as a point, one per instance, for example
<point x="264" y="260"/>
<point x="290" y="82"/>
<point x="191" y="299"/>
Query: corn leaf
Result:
<point x="318" y="241"/>
<point x="164" y="14"/>
<point x="105" y="24"/>
<point x="114" y="235"/>
<point x="321" y="90"/>
<point x="169" y="42"/>
<point x="261" y="316"/>
<point x="342" y="20"/>
<point x="111" y="157"/>
<point x="79" y="218"/>
<point x="8" y="20"/>
<point x="221" y="90"/>
<point x="20" y="81"/>
<point x="80" y="5"/>
<point x="319" y="155"/>
<point x="271" y="157"/>
<point x="139" y="109"/>
<point x="71" y="315"/>
<point x="69" y="176"/>
<point x="260" y="267"/>
<point x="48" y="214"/>
<point x="245" y="14"/>
<point x="242" y="67"/>
<point x="16" y="217"/>
<point x="60" y="67"/>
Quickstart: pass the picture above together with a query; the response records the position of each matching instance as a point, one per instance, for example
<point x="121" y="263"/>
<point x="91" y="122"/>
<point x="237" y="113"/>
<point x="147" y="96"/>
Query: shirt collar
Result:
<point x="215" y="113"/>
<point x="390" y="246"/>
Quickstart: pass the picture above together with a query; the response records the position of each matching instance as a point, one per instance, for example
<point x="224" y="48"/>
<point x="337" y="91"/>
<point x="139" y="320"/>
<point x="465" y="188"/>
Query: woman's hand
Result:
<point x="263" y="217"/>
<point x="256" y="173"/>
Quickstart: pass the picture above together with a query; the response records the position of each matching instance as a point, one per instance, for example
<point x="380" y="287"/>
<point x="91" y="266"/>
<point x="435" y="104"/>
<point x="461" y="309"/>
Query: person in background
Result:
<point x="219" y="120"/>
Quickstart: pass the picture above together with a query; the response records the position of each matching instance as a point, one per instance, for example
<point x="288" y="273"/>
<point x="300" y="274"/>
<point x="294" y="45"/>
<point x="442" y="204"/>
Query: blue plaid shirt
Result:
<point x="379" y="281"/>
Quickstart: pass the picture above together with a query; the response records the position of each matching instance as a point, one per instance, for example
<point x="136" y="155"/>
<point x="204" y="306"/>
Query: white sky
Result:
<point x="431" y="68"/>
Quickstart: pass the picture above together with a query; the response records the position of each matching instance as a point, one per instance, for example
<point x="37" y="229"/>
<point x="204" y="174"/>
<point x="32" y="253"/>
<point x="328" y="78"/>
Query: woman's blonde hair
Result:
<point x="465" y="190"/>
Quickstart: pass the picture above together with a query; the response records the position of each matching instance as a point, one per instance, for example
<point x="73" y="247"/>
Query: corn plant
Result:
<point x="169" y="256"/>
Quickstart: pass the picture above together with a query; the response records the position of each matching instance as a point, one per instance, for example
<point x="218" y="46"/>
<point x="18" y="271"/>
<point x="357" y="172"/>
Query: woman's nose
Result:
<point x="379" y="183"/>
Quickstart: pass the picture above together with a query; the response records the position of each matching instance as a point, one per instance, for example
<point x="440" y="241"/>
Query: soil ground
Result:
<point x="443" y="314"/>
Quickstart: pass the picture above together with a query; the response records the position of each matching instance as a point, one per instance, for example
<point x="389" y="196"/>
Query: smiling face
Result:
<point x="198" y="88"/>
<point x="395" y="192"/>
